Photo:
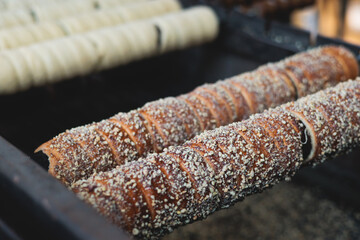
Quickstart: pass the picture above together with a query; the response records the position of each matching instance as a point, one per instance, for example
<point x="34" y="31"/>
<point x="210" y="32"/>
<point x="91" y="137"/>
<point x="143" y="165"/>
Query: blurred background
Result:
<point x="331" y="18"/>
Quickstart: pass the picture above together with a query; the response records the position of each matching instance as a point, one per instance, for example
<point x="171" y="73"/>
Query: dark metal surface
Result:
<point x="6" y="233"/>
<point x="36" y="206"/>
<point x="271" y="41"/>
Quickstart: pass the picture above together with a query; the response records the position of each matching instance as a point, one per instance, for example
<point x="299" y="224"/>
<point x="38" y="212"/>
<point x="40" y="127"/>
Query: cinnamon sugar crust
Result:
<point x="171" y="121"/>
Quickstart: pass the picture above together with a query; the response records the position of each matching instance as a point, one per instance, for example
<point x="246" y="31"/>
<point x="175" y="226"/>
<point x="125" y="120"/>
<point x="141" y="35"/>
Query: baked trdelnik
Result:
<point x="78" y="153"/>
<point x="155" y="194"/>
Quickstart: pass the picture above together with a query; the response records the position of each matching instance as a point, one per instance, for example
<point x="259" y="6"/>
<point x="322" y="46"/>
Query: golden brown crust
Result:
<point x="310" y="117"/>
<point x="212" y="154"/>
<point x="217" y="110"/>
<point x="279" y="125"/>
<point x="166" y="127"/>
<point x="196" y="168"/>
<point x="119" y="139"/>
<point x="186" y="114"/>
<point x="94" y="146"/>
<point x="178" y="177"/>
<point x="321" y="68"/>
<point x="219" y="167"/>
<point x="206" y="118"/>
<point x="346" y="59"/>
<point x="285" y="88"/>
<point x="220" y="100"/>
<point x="327" y="119"/>
<point x="133" y="123"/>
<point x="72" y="159"/>
<point x="242" y="108"/>
<point x="249" y="96"/>
<point x="171" y="121"/>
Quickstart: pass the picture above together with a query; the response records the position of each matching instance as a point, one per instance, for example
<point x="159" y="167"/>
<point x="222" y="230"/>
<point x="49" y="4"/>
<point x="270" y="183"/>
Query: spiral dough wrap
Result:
<point x="17" y="36"/>
<point x="79" y="152"/>
<point x="151" y="196"/>
<point x="82" y="54"/>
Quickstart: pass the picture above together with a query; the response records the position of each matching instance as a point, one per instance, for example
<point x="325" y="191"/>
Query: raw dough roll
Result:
<point x="56" y="11"/>
<point x="25" y="4"/>
<point x="8" y="5"/>
<point x="30" y="33"/>
<point x="8" y="82"/>
<point x="152" y="8"/>
<point x="111" y="47"/>
<point x="117" y="16"/>
<point x="41" y="12"/>
<point x="180" y="30"/>
<point x="15" y="17"/>
<point x="25" y="12"/>
<point x="103" y="4"/>
<point x="36" y="64"/>
<point x="16" y="37"/>
<point x="22" y="69"/>
<point x="45" y="30"/>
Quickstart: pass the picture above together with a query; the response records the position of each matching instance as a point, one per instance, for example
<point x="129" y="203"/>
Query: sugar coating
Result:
<point x="224" y="98"/>
<point x="152" y="196"/>
<point x="332" y="118"/>
<point x="164" y="124"/>
<point x="135" y="126"/>
<point x="185" y="114"/>
<point x="321" y="68"/>
<point x="94" y="145"/>
<point x="208" y="188"/>
<point x="202" y="111"/>
<point x="171" y="121"/>
<point x="243" y="110"/>
<point x="123" y="146"/>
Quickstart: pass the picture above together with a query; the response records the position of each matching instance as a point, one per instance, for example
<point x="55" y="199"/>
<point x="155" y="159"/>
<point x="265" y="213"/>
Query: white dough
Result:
<point x="70" y="55"/>
<point x="22" y="70"/>
<point x="8" y="83"/>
